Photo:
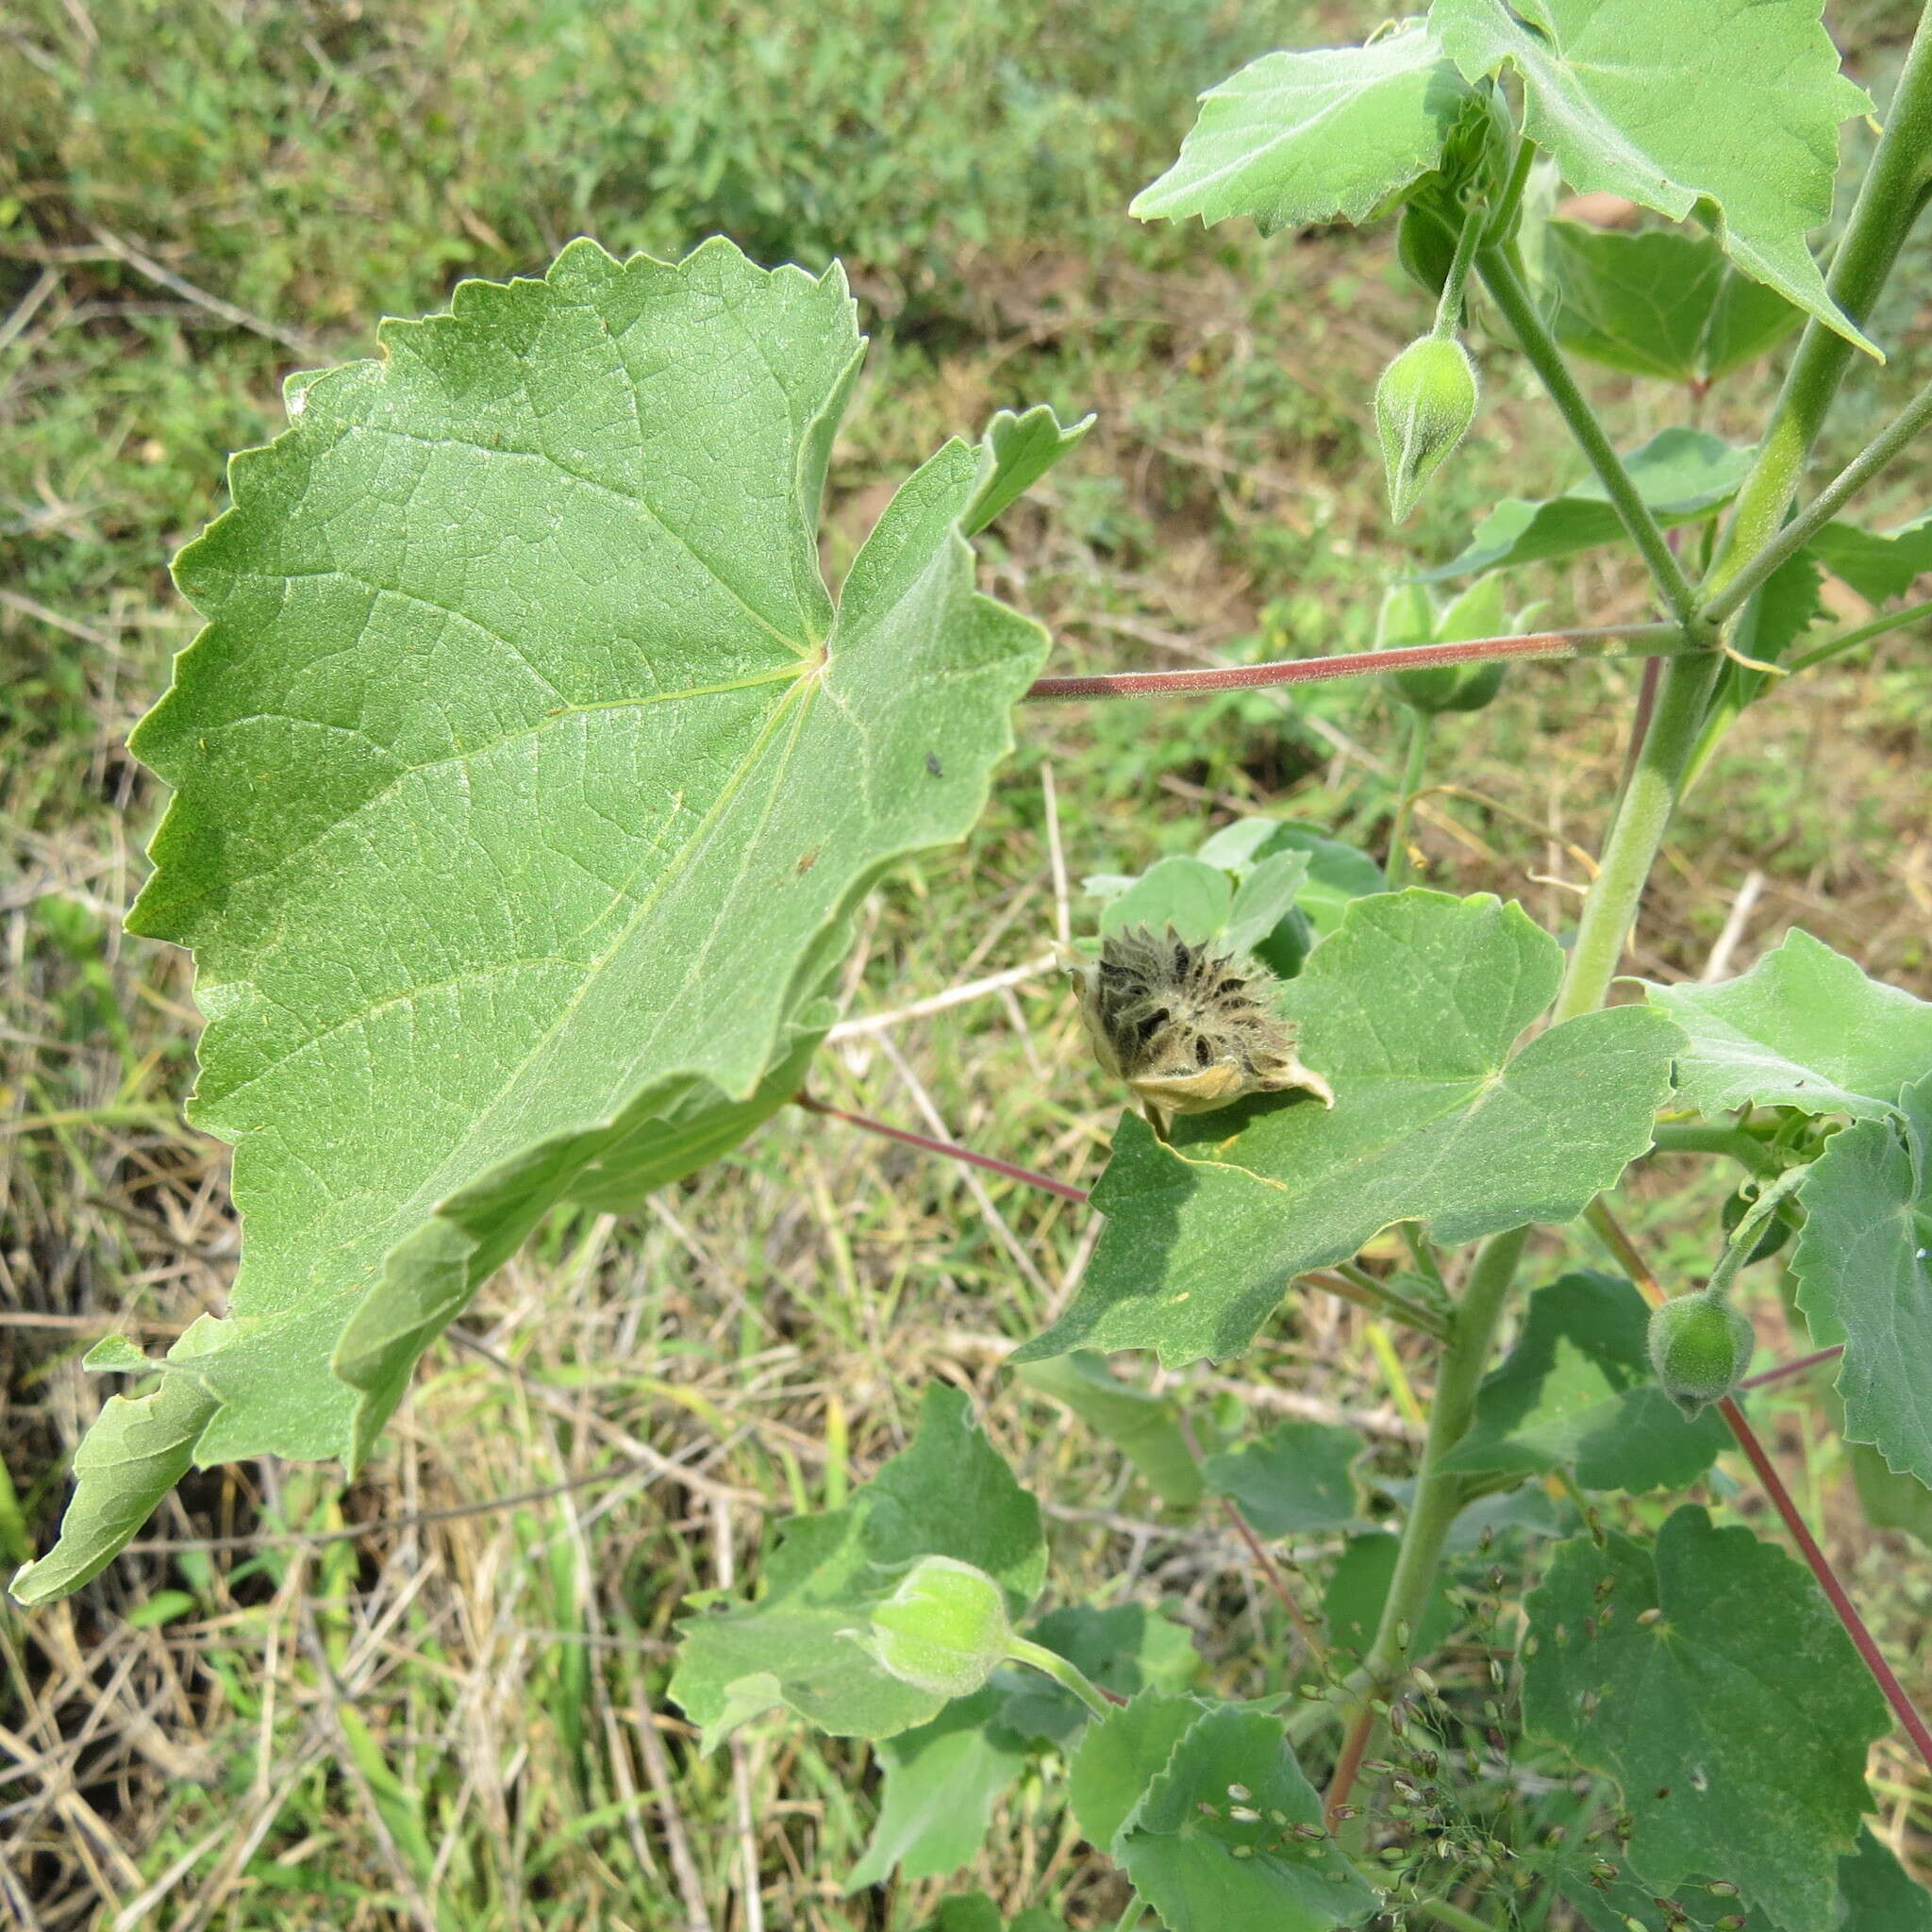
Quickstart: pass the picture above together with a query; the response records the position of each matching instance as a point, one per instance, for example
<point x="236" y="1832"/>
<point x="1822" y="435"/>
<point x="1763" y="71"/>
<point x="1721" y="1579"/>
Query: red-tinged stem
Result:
<point x="1827" y="1580"/>
<point x="1354" y="1748"/>
<point x="1062" y="1188"/>
<point x="1785" y="1370"/>
<point x="1612" y="641"/>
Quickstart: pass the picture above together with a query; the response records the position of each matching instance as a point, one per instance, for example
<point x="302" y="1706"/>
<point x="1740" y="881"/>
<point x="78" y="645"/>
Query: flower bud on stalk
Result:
<point x="945" y="1629"/>
<point x="1424" y="404"/>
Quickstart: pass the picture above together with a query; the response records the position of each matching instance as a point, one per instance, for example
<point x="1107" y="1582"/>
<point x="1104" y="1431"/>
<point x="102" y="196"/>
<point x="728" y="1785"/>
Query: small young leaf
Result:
<point x="1863" y="1266"/>
<point x="1680" y="474"/>
<point x="1412" y="1008"/>
<point x="1121" y="1755"/>
<point x="1577" y="1390"/>
<point x="1208" y="1860"/>
<point x="1804" y="1028"/>
<point x="1143" y="1427"/>
<point x="1326" y="134"/>
<point x="1297" y="1478"/>
<point x="941" y="1784"/>
<point x="1193" y="898"/>
<point x="1737" y="1721"/>
<point x="1022" y="449"/>
<point x="803" y="1643"/>
<point x="1663" y="303"/>
<point x="1673" y="103"/>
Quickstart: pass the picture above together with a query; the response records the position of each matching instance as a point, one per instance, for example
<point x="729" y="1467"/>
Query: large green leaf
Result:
<point x="1662" y="303"/>
<point x="1213" y="1846"/>
<point x="1864" y="1277"/>
<point x="941" y="1784"/>
<point x="799" y="1645"/>
<point x="1121" y="1755"/>
<point x="1730" y="104"/>
<point x="524" y="778"/>
<point x="1412" y="1008"/>
<point x="1578" y="1391"/>
<point x="1326" y="134"/>
<point x="1736" y="1720"/>
<point x="1681" y="474"/>
<point x="1804" y="1028"/>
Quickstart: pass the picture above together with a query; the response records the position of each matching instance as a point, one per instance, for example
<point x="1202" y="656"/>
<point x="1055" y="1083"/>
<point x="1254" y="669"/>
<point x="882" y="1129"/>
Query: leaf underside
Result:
<point x="524" y="777"/>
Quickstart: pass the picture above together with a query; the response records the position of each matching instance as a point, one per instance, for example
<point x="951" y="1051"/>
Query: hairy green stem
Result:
<point x="1747" y="1150"/>
<point x="1859" y="633"/>
<point x="1904" y="427"/>
<point x="1744" y="1236"/>
<point x="1446" y="1913"/>
<point x="1449" y="305"/>
<point x="1519" y="308"/>
<point x="1358" y="1286"/>
<point x="1650" y="797"/>
<point x="1069" y="1677"/>
<point x="1437" y="1494"/>
<point x="1398" y="869"/>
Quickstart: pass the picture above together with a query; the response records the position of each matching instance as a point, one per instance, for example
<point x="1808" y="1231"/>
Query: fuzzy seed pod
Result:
<point x="1699" y="1347"/>
<point x="945" y="1629"/>
<point x="1424" y="404"/>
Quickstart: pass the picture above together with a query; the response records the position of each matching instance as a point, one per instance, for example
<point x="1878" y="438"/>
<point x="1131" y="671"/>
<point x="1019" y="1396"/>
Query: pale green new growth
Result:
<point x="1326" y="134"/>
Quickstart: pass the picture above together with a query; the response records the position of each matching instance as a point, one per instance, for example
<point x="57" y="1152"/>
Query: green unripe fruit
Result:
<point x="945" y="1629"/>
<point x="1425" y="402"/>
<point x="1700" y="1348"/>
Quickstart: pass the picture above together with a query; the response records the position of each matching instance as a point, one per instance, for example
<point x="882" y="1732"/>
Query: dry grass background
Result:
<point x="436" y="1699"/>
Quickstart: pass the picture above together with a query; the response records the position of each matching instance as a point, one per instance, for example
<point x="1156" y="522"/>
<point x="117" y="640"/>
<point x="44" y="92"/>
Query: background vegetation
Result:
<point x="451" y="1716"/>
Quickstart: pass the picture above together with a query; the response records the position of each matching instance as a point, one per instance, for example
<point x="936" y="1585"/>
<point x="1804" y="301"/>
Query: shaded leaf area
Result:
<point x="1662" y="303"/>
<point x="1124" y="1649"/>
<point x="1338" y="872"/>
<point x="1412" y="1008"/>
<point x="1207" y="904"/>
<point x="1297" y="1479"/>
<point x="975" y="1912"/>
<point x="1682" y="475"/>
<point x="1863" y="1266"/>
<point x="1144" y="1428"/>
<point x="1878" y="565"/>
<point x="1676" y="103"/>
<point x="940" y="1783"/>
<point x="1736" y="1719"/>
<point x="802" y="1645"/>
<point x="1212" y="1844"/>
<point x="1326" y="134"/>
<point x="1804" y="1028"/>
<point x="1577" y="1390"/>
<point x="1875" y="1894"/>
<point x="525" y="779"/>
<point x="1358" y="1589"/>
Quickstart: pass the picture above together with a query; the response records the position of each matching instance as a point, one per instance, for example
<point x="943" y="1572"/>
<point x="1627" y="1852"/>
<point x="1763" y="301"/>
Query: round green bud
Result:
<point x="945" y="1629"/>
<point x="1425" y="402"/>
<point x="1699" y="1348"/>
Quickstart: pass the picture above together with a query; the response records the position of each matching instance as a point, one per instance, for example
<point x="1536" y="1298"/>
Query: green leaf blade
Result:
<point x="1804" y="1028"/>
<point x="524" y="778"/>
<point x="1737" y="1721"/>
<point x="1412" y="1008"/>
<point x="1670" y="103"/>
<point x="1322" y="135"/>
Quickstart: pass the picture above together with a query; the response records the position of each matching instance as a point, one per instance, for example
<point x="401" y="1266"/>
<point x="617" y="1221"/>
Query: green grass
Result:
<point x="459" y="1719"/>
